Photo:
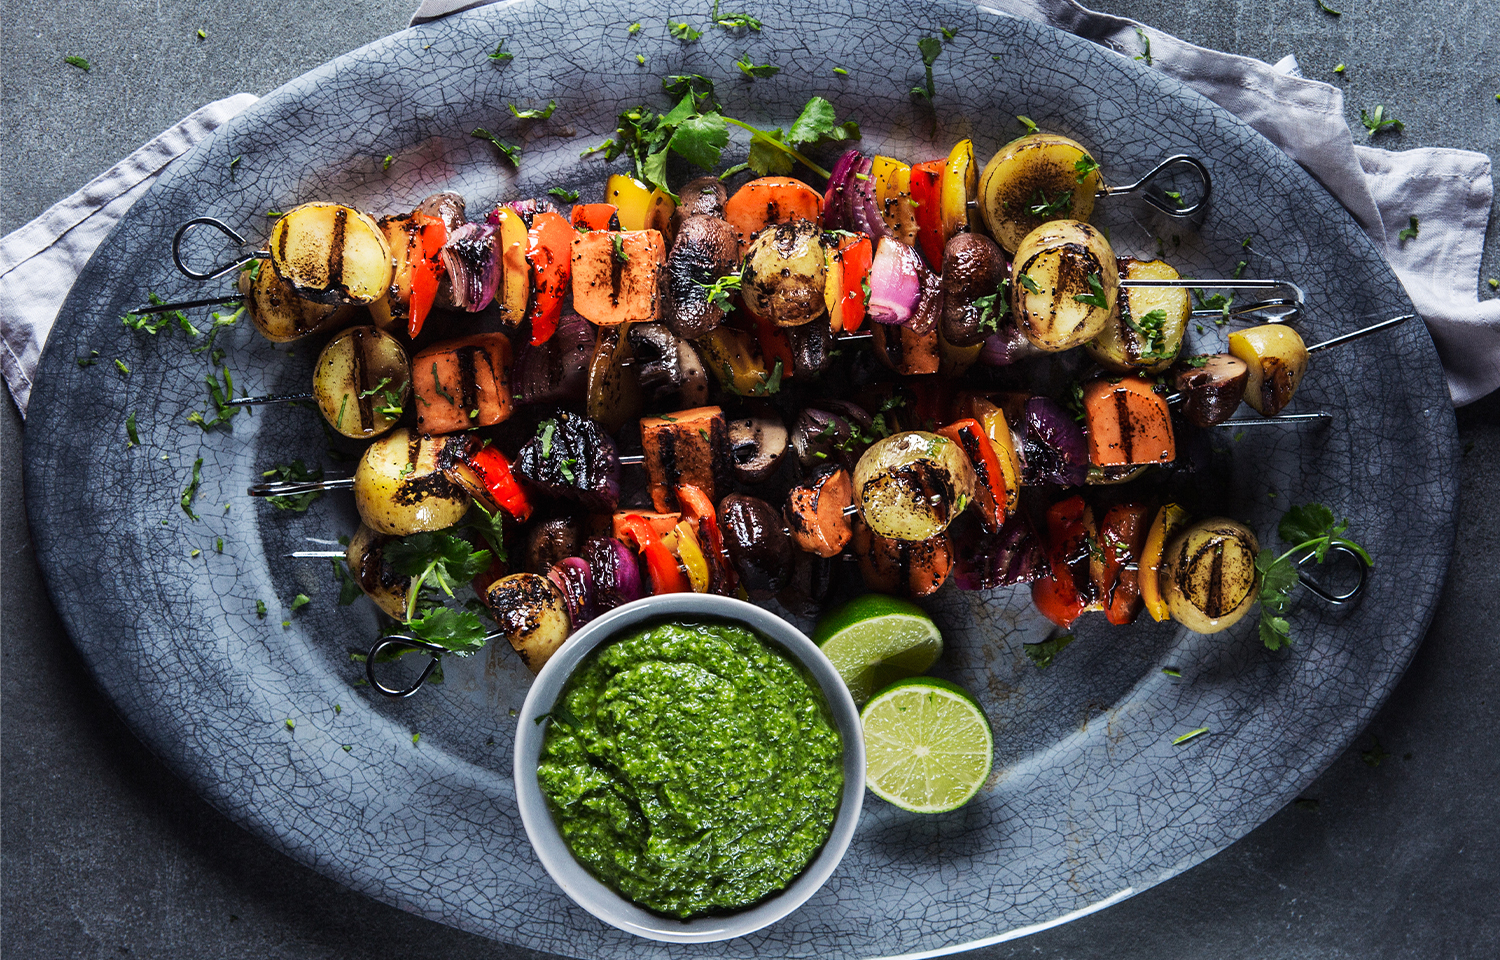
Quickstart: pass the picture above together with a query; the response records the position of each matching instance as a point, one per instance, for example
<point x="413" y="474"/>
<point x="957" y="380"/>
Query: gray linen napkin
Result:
<point x="1450" y="190"/>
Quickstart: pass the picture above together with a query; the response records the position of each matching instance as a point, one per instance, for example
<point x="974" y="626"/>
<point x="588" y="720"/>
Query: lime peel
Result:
<point x="875" y="639"/>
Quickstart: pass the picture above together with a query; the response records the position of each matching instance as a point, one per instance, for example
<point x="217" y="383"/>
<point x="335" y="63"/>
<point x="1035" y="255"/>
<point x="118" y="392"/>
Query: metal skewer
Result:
<point x="1363" y="332"/>
<point x="1172" y="208"/>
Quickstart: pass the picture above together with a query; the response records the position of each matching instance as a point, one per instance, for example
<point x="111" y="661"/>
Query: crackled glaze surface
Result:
<point x="1090" y="798"/>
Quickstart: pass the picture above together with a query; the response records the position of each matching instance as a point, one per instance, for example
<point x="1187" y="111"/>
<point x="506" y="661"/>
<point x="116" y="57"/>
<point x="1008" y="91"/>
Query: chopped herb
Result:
<point x="947" y="33"/>
<point x="202" y="35"/>
<point x="1029" y="283"/>
<point x="299" y="601"/>
<point x="260" y="609"/>
<point x="1339" y="69"/>
<point x="386" y="163"/>
<point x="415" y="738"/>
<point x="620" y="254"/>
<point x="930" y="48"/>
<point x="1085" y="166"/>
<point x="841" y="71"/>
<point x="337" y="709"/>
<point x="1189" y="736"/>
<point x="500" y="56"/>
<point x="1312" y="529"/>
<point x="78" y="62"/>
<point x="133" y="439"/>
<point x="408" y="469"/>
<point x="548" y="426"/>
<point x="1171" y="671"/>
<point x="1152" y="329"/>
<point x="89" y="360"/>
<point x="1095" y="297"/>
<point x="1218" y="302"/>
<point x="565" y="467"/>
<point x="992" y="308"/>
<point x="634" y="28"/>
<point x="1377" y="121"/>
<point x="1410" y="233"/>
<point x="1328" y="10"/>
<point x="511" y="151"/>
<point x="1145" y="46"/>
<point x="640" y="59"/>
<point x="1042" y="207"/>
<point x="682" y="31"/>
<point x="195" y="552"/>
<point x="1041" y="654"/>
<point x="1028" y="123"/>
<point x="232" y="164"/>
<point x="1198" y="361"/>
<point x="566" y="196"/>
<point x="192" y="489"/>
<point x="348" y="747"/>
<point x="756" y="71"/>
<point x="720" y="292"/>
<point x="1175" y="196"/>
<point x="438" y="383"/>
<point x="218" y="545"/>
<point x="1494" y="284"/>
<point x="294" y="472"/>
<point x="1239" y="269"/>
<point x="122" y="367"/>
<point x="537" y="114"/>
<point x="290" y="723"/>
<point x="1376" y="754"/>
<point x="219" y="396"/>
<point x="734" y="21"/>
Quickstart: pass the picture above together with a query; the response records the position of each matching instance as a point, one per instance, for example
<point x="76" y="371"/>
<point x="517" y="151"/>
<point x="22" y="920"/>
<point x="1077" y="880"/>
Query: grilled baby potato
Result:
<point x="1208" y="575"/>
<point x="331" y="253"/>
<point x="1034" y="179"/>
<point x="784" y="274"/>
<point x="1145" y="331"/>
<point x="1277" y="359"/>
<point x="911" y="485"/>
<point x="362" y="382"/>
<point x="279" y="314"/>
<point x="400" y="488"/>
<point x="532" y="614"/>
<point x="1066" y="285"/>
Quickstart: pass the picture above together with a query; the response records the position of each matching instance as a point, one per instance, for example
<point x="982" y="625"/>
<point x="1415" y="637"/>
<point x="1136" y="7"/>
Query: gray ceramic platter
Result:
<point x="1090" y="801"/>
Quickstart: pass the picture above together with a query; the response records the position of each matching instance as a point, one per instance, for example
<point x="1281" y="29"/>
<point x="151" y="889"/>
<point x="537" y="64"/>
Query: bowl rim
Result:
<point x="593" y="895"/>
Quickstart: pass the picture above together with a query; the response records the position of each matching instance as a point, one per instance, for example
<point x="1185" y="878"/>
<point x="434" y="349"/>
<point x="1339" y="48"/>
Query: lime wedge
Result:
<point x="928" y="746"/>
<point x="874" y="639"/>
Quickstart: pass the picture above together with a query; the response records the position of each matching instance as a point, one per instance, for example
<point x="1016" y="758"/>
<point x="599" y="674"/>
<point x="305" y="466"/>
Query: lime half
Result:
<point x="928" y="746"/>
<point x="874" y="639"/>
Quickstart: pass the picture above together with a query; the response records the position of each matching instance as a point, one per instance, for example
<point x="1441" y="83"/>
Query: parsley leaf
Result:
<point x="511" y="151"/>
<point x="500" y="56"/>
<point x="1410" y="233"/>
<point x="1377" y="121"/>
<point x="1312" y="529"/>
<point x="1095" y="297"/>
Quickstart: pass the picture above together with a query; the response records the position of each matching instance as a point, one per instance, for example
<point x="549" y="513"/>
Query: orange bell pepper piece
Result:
<point x="549" y="250"/>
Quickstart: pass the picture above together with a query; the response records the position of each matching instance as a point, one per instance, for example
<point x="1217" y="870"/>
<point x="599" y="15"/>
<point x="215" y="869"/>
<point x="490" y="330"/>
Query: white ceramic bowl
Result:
<point x="552" y="850"/>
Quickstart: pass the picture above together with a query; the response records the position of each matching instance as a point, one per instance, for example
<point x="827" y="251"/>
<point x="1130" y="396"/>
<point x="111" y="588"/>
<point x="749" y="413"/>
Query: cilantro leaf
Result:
<point x="683" y="31"/>
<point x="930" y="48"/>
<point x="1410" y="233"/>
<point x="753" y="71"/>
<point x="701" y="139"/>
<point x="1041" y="654"/>
<point x="500" y="56"/>
<point x="460" y="631"/>
<point x="1095" y="297"/>
<point x="294" y="472"/>
<point x="566" y="196"/>
<point x="192" y="489"/>
<point x="1028" y="123"/>
<point x="78" y="62"/>
<point x="447" y="560"/>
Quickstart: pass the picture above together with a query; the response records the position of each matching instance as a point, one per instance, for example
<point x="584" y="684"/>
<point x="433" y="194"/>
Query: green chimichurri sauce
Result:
<point x="692" y="767"/>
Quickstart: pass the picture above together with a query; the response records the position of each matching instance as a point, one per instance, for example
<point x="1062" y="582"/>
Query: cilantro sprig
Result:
<point x="1312" y="529"/>
<point x="697" y="130"/>
<point x="930" y="48"/>
<point x="442" y="561"/>
<point x="1376" y="121"/>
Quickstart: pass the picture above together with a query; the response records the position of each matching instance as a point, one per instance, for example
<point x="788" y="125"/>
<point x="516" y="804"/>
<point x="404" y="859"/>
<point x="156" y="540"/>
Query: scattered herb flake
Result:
<point x="619" y="244"/>
<point x="194" y="553"/>
<point x="260" y="609"/>
<point x="683" y="31"/>
<point x="294" y="472"/>
<point x="1145" y="46"/>
<point x="566" y="196"/>
<point x="511" y="151"/>
<point x="1095" y="297"/>
<point x="721" y="291"/>
<point x="930" y="48"/>
<point x="1339" y="69"/>
<point x="734" y="21"/>
<point x="1410" y="232"/>
<point x="536" y="114"/>
<point x="415" y="737"/>
<point x="202" y="34"/>
<point x="386" y="163"/>
<point x="1041" y="654"/>
<point x="756" y="71"/>
<point x="89" y="360"/>
<point x="948" y="34"/>
<point x="500" y="56"/>
<point x="1028" y="123"/>
<point x="192" y="489"/>
<point x="1171" y="671"/>
<point x="841" y="71"/>
<point x="218" y="545"/>
<point x="634" y="28"/>
<point x="299" y="601"/>
<point x="1328" y="10"/>
<point x="290" y="723"/>
<point x="78" y="62"/>
<point x="122" y="367"/>
<point x="1191" y="734"/>
<point x="1028" y="283"/>
<point x="1376" y="121"/>
<point x="131" y="436"/>
<point x="640" y="59"/>
<point x="1085" y="166"/>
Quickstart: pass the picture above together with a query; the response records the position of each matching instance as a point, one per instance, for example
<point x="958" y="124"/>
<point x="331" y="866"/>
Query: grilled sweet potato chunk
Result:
<point x="617" y="275"/>
<point x="689" y="446"/>
<point x="462" y="383"/>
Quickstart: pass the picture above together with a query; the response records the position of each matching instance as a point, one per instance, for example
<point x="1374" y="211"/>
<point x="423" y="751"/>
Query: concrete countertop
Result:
<point x="1393" y="852"/>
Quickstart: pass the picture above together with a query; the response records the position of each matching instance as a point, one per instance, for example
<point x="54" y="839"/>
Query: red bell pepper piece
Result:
<point x="858" y="254"/>
<point x="926" y="196"/>
<point x="1060" y="596"/>
<point x="549" y="250"/>
<point x="427" y="271"/>
<point x="666" y="575"/>
<point x="700" y="511"/>
<point x="596" y="216"/>
<point x="494" y="471"/>
<point x="1122" y="538"/>
<point x="774" y="346"/>
<point x="991" y="496"/>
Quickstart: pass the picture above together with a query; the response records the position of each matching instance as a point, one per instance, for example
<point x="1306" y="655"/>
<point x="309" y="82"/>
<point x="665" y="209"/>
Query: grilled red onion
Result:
<point x="850" y="202"/>
<point x="1012" y="554"/>
<point x="616" y="572"/>
<point x="526" y="208"/>
<point x="1007" y="346"/>
<point x="571" y="456"/>
<point x="835" y="209"/>
<point x="575" y="582"/>
<point x="472" y="257"/>
<point x="895" y="282"/>
<point x="556" y="371"/>
<point x="1054" y="449"/>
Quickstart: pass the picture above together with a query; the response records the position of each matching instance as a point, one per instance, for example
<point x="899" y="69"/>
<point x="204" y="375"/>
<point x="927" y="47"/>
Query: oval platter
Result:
<point x="186" y="621"/>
